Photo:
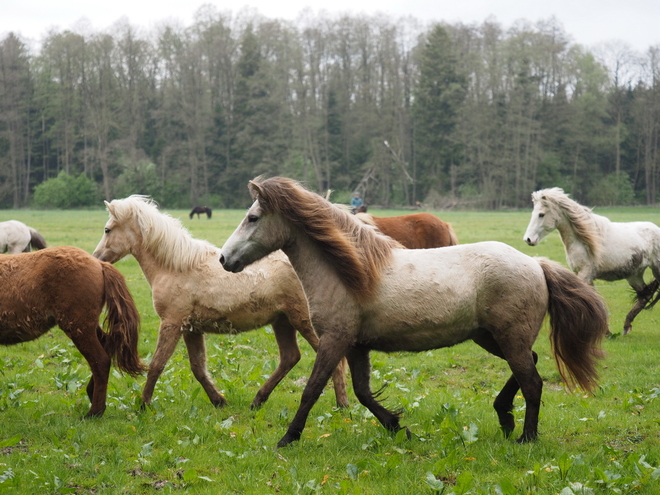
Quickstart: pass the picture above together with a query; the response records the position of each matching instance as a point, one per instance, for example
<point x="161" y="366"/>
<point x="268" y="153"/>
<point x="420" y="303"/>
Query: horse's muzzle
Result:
<point x="234" y="267"/>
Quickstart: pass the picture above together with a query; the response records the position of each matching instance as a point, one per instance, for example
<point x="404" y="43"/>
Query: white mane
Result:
<point x="162" y="235"/>
<point x="579" y="217"/>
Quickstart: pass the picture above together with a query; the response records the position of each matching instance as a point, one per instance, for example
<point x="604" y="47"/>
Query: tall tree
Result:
<point x="15" y="129"/>
<point x="440" y="92"/>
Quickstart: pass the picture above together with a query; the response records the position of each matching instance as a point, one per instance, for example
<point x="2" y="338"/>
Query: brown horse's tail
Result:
<point x="37" y="241"/>
<point x="578" y="323"/>
<point x="453" y="238"/>
<point x="122" y="322"/>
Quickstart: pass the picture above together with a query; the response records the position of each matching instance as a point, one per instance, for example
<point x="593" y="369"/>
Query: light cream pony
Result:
<point x="364" y="294"/>
<point x="193" y="295"/>
<point x="16" y="237"/>
<point x="597" y="248"/>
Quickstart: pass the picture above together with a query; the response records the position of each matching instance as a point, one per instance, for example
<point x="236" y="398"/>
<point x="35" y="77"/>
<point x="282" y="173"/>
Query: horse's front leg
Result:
<point x="339" y="375"/>
<point x="195" y="343"/>
<point x="332" y="348"/>
<point x="168" y="337"/>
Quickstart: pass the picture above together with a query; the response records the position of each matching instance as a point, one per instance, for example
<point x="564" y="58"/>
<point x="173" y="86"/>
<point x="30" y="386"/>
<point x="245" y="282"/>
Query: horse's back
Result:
<point x="446" y="294"/>
<point x="41" y="287"/>
<point x="417" y="230"/>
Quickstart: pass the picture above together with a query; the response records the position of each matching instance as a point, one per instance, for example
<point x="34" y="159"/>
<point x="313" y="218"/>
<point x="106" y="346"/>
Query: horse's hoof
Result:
<point x="222" y="402"/>
<point x="287" y="439"/>
<point x="527" y="437"/>
<point x="91" y="414"/>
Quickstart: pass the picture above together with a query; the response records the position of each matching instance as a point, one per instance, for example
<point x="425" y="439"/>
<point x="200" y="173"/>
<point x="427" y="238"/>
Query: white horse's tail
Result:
<point x="37" y="241"/>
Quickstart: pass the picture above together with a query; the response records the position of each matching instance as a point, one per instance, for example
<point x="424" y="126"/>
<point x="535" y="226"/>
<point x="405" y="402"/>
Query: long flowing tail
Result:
<point x="453" y="238"/>
<point x="122" y="322"/>
<point x="37" y="241"/>
<point x="578" y="323"/>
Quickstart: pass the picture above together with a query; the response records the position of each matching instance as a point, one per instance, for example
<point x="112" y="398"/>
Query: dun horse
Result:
<point x="597" y="248"/>
<point x="415" y="300"/>
<point x="193" y="295"/>
<point x="414" y="231"/>
<point x="16" y="237"/>
<point x="65" y="286"/>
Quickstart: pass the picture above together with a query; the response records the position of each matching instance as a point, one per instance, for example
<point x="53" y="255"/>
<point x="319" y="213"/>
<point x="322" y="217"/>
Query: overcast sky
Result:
<point x="588" y="22"/>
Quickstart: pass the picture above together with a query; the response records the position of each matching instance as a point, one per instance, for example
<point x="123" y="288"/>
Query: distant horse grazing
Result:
<point x="597" y="248"/>
<point x="360" y="209"/>
<point x="65" y="286"/>
<point x="193" y="295"/>
<point x="414" y="231"/>
<point x="16" y="237"/>
<point x="200" y="209"/>
<point x="366" y="295"/>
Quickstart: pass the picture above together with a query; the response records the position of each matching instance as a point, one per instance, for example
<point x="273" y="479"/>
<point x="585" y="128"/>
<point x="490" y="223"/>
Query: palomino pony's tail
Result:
<point x="578" y="323"/>
<point x="37" y="241"/>
<point x="453" y="238"/>
<point x="122" y="322"/>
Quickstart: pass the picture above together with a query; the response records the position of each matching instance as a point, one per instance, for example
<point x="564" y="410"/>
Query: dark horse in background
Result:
<point x="199" y="210"/>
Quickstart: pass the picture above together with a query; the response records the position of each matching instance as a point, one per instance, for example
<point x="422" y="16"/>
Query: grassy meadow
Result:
<point x="605" y="443"/>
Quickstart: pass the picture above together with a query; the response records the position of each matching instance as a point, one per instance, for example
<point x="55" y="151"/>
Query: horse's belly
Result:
<point x="426" y="325"/>
<point x="18" y="330"/>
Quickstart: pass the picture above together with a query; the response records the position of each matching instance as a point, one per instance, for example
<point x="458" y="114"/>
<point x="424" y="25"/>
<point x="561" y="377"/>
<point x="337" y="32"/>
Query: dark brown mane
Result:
<point x="356" y="251"/>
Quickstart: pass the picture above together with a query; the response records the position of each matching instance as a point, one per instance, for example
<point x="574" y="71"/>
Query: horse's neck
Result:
<point x="568" y="236"/>
<point x="573" y="244"/>
<point x="149" y="264"/>
<point x="316" y="274"/>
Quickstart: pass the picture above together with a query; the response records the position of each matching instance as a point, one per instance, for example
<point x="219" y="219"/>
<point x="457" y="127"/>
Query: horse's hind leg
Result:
<point x="358" y="361"/>
<point x="196" y="345"/>
<point x="90" y="347"/>
<point x="643" y="295"/>
<point x="503" y="403"/>
<point x="285" y="335"/>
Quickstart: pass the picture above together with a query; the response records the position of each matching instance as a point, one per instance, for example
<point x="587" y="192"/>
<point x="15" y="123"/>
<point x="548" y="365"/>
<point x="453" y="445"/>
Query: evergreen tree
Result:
<point x="440" y="92"/>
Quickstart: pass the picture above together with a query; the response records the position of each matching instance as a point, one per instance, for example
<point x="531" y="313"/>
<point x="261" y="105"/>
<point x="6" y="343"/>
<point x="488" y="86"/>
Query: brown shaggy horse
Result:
<point x="414" y="231"/>
<point x="367" y="295"/>
<point x="68" y="287"/>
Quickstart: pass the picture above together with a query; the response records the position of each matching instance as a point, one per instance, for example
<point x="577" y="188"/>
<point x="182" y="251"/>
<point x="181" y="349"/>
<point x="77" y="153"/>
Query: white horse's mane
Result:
<point x="162" y="235"/>
<point x="580" y="217"/>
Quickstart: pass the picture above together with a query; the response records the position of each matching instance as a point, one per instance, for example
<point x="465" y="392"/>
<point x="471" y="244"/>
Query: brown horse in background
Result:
<point x="68" y="287"/>
<point x="414" y="231"/>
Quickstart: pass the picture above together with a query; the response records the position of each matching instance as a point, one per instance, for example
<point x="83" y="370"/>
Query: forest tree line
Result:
<point x="406" y="113"/>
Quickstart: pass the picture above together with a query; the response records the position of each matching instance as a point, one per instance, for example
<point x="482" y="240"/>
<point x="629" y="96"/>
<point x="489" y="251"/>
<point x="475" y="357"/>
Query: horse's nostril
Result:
<point x="222" y="260"/>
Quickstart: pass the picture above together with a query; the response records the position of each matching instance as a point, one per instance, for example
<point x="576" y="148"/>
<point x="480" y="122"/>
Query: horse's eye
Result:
<point x="107" y="230"/>
<point x="252" y="218"/>
<point x="541" y="215"/>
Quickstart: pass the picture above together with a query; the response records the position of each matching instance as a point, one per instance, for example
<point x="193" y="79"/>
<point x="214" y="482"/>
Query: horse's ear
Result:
<point x="255" y="189"/>
<point x="109" y="207"/>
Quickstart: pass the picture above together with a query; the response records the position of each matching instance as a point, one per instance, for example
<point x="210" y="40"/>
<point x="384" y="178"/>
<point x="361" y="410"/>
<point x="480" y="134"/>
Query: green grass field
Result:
<point x="606" y="443"/>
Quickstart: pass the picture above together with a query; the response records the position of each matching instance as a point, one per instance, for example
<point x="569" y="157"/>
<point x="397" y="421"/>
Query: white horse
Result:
<point x="365" y="294"/>
<point x="597" y="248"/>
<point x="16" y="237"/>
<point x="193" y="295"/>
